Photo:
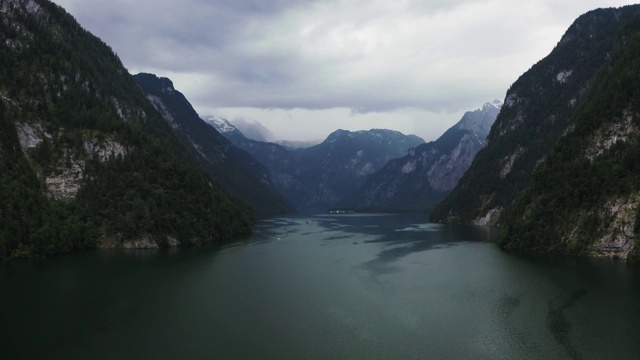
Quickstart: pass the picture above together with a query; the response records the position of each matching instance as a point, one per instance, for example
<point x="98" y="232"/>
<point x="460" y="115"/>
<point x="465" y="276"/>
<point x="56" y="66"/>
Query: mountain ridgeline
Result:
<point x="561" y="172"/>
<point x="375" y="170"/>
<point x="85" y="159"/>
<point x="423" y="177"/>
<point x="235" y="169"/>
<point x="325" y="175"/>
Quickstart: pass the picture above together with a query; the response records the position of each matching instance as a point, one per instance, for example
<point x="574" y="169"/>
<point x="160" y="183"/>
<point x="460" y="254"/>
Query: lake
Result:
<point x="323" y="287"/>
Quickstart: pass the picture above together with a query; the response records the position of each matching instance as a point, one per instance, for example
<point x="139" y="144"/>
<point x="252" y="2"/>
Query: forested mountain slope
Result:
<point x="236" y="170"/>
<point x="85" y="159"/>
<point x="540" y="107"/>
<point x="561" y="171"/>
<point x="585" y="195"/>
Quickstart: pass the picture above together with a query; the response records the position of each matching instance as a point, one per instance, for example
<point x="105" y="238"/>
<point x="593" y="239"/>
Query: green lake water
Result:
<point x="323" y="287"/>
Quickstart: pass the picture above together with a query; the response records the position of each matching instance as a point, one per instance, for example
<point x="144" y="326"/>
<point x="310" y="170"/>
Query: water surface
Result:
<point x="323" y="287"/>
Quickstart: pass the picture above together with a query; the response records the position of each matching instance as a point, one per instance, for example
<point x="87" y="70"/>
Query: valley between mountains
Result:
<point x="92" y="156"/>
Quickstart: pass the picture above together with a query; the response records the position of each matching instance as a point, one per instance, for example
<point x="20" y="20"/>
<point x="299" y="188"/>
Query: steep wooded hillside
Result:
<point x="540" y="107"/>
<point x="86" y="160"/>
<point x="236" y="170"/>
<point x="585" y="195"/>
<point x="561" y="173"/>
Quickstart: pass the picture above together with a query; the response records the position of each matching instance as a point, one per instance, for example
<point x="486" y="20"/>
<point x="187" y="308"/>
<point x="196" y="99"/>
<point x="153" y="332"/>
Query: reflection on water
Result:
<point x="323" y="287"/>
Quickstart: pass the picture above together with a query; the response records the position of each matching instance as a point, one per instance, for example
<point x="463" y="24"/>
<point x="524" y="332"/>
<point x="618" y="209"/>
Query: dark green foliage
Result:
<point x="68" y="84"/>
<point x="569" y="190"/>
<point x="145" y="194"/>
<point x="30" y="224"/>
<point x="537" y="112"/>
<point x="235" y="169"/>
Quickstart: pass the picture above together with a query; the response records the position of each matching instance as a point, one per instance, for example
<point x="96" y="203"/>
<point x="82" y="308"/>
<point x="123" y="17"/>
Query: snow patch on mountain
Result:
<point x="221" y="124"/>
<point x="495" y="103"/>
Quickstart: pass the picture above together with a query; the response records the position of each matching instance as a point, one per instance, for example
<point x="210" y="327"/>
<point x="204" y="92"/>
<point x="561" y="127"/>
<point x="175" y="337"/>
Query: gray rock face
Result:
<point x="144" y="242"/>
<point x="429" y="172"/>
<point x="30" y="135"/>
<point x="445" y="172"/>
<point x="66" y="180"/>
<point x="66" y="177"/>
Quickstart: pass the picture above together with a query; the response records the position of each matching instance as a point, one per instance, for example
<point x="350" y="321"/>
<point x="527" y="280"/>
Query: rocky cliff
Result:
<point x="424" y="176"/>
<point x="539" y="108"/>
<point x="562" y="168"/>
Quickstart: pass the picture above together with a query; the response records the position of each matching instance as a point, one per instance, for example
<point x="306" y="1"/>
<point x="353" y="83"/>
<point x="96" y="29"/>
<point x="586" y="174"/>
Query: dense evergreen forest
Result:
<point x="73" y="94"/>
<point x="562" y="168"/>
<point x="539" y="108"/>
<point x="593" y="168"/>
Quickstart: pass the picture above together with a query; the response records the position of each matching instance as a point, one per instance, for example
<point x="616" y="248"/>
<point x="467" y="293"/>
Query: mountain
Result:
<point x="253" y="130"/>
<point x="325" y="175"/>
<point x="85" y="159"/>
<point x="539" y="108"/>
<point x="566" y="148"/>
<point x="333" y="170"/>
<point x="423" y="177"/>
<point x="230" y="131"/>
<point x="235" y="169"/>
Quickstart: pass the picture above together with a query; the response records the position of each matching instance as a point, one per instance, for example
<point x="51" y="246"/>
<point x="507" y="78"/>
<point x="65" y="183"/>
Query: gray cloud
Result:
<point x="370" y="57"/>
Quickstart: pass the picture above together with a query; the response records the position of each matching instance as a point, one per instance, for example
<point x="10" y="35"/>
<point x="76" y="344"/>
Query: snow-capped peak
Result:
<point x="495" y="103"/>
<point x="221" y="124"/>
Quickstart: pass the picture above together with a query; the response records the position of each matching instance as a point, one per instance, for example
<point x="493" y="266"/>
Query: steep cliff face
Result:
<point x="424" y="176"/>
<point x="539" y="109"/>
<point x="585" y="195"/>
<point x="85" y="159"/>
<point x="235" y="169"/>
<point x="575" y="192"/>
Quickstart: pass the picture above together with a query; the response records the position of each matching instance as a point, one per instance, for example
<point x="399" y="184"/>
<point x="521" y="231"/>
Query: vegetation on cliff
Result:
<point x="587" y="188"/>
<point x="84" y="156"/>
<point x="538" y="109"/>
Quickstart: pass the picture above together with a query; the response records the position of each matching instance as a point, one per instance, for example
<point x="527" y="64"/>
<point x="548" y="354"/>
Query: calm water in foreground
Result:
<point x="323" y="287"/>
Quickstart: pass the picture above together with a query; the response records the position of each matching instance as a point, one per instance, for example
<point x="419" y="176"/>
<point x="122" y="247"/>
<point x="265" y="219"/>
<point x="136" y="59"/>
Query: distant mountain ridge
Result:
<point x="423" y="177"/>
<point x="327" y="174"/>
<point x="229" y="130"/>
<point x="337" y="167"/>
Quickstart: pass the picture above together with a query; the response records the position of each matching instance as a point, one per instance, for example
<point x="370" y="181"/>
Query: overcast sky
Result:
<point x="304" y="68"/>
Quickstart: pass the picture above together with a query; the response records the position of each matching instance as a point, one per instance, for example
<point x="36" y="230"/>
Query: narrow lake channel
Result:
<point x="323" y="287"/>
